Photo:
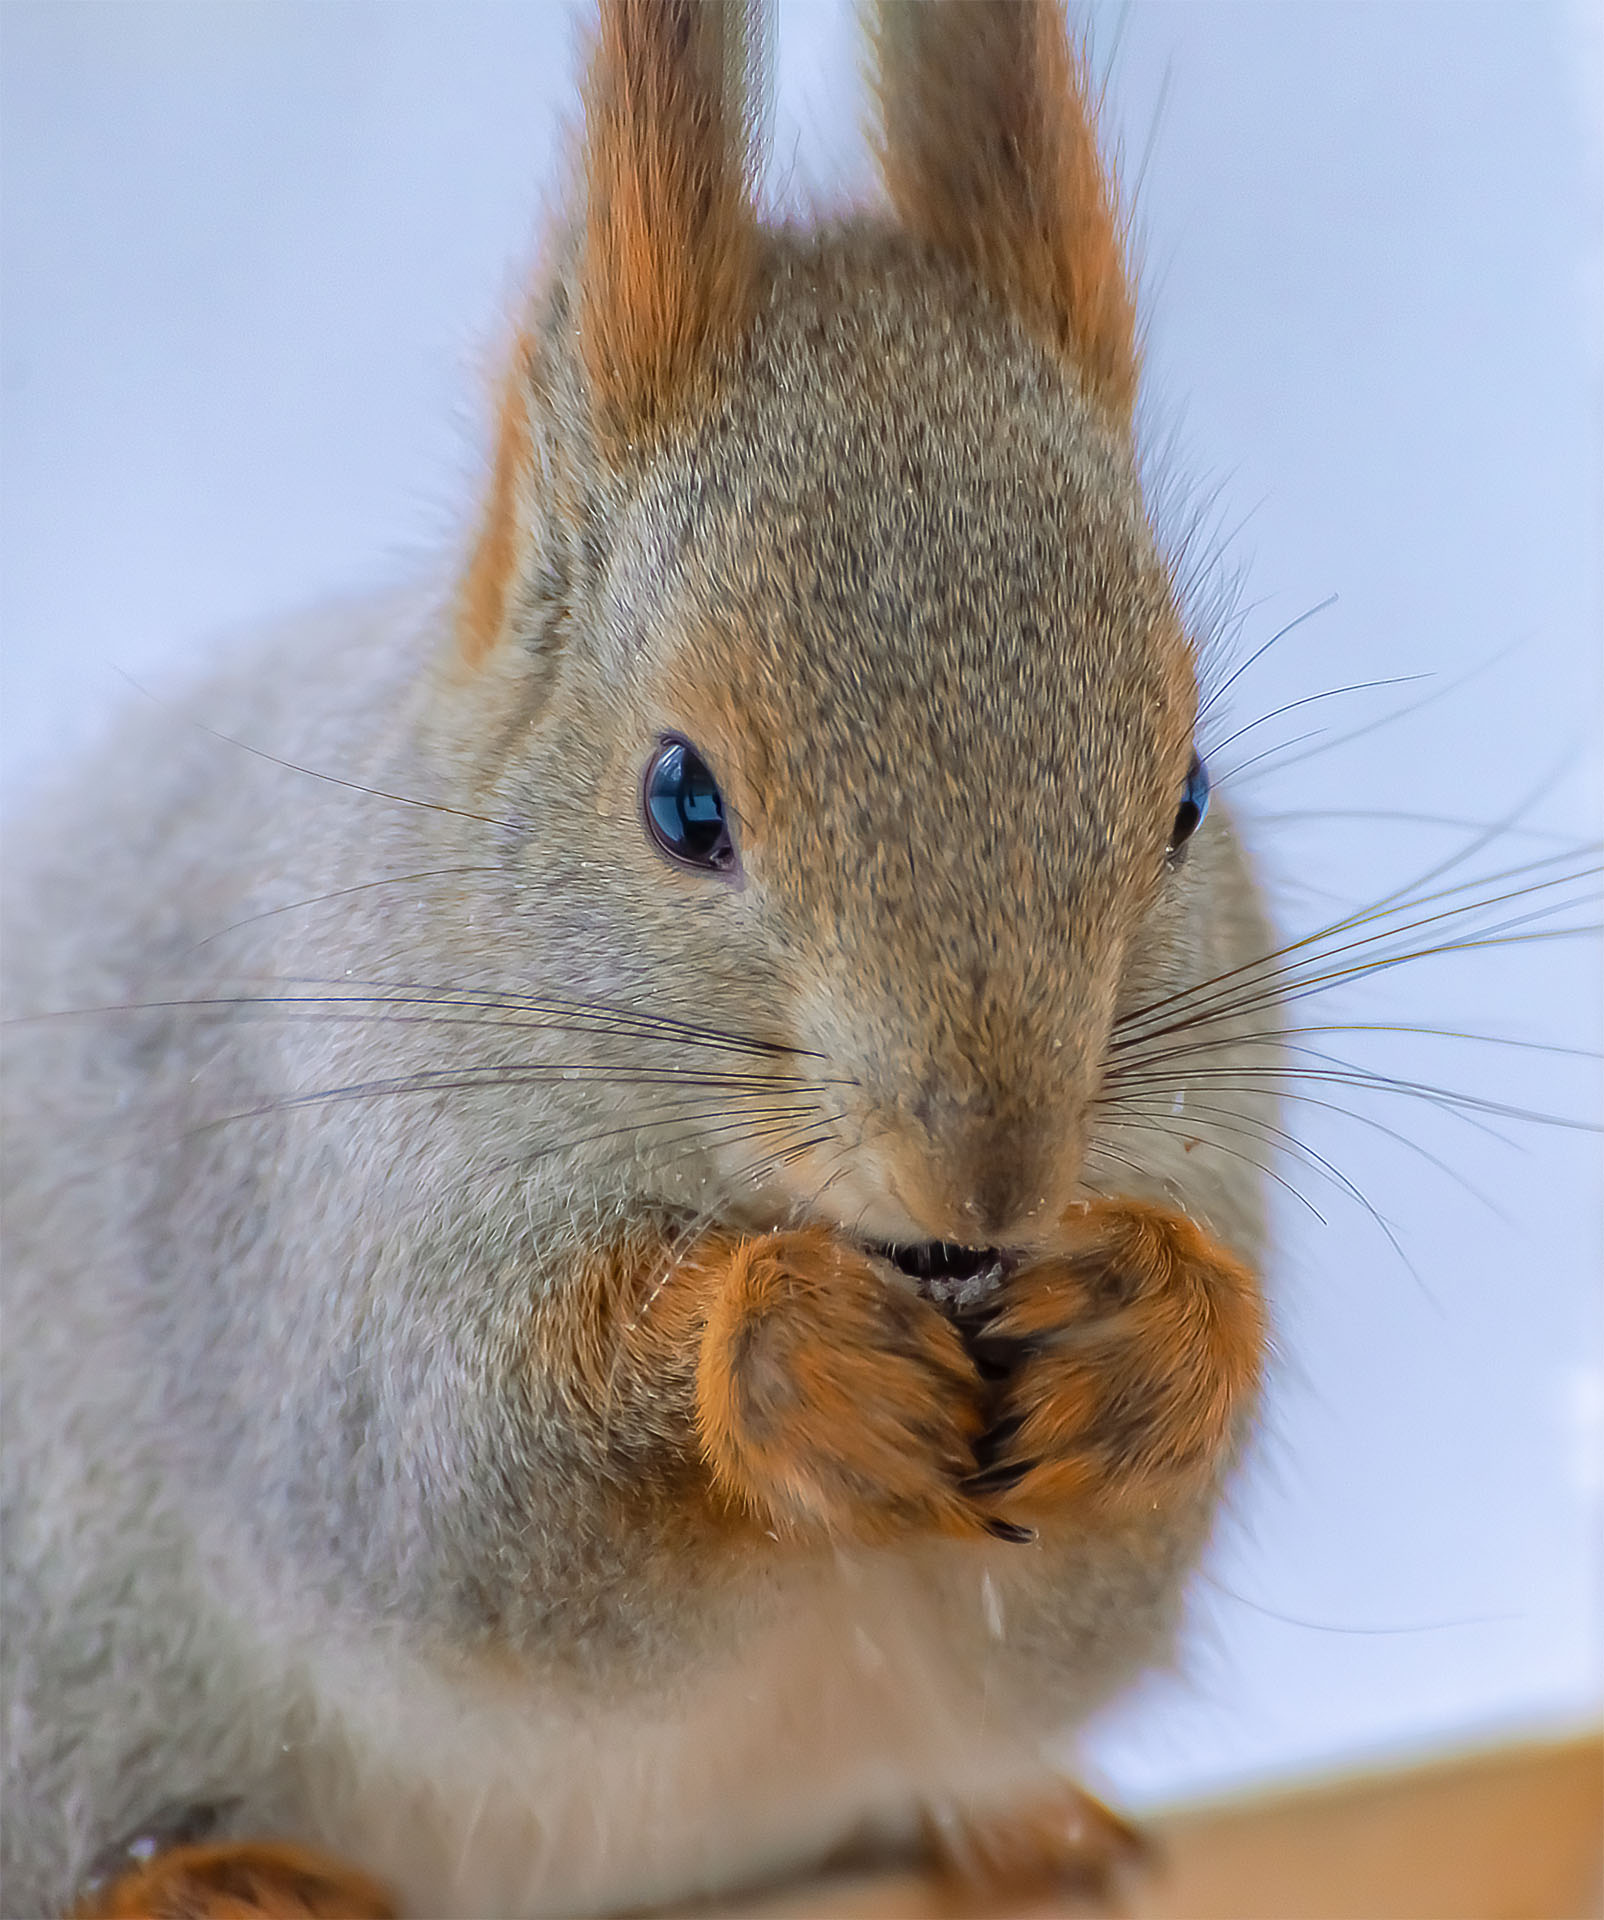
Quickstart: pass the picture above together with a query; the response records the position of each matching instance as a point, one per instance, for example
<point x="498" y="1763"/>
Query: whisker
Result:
<point x="1155" y="1124"/>
<point x="1221" y="1116"/>
<point x="1326" y="1626"/>
<point x="1258" y="654"/>
<point x="1280" y="962"/>
<point x="672" y="1113"/>
<point x="312" y="773"/>
<point x="534" y="1015"/>
<point x="1397" y="816"/>
<point x="449" y="1080"/>
<point x="711" y="1102"/>
<point x="1446" y="1099"/>
<point x="748" y="1128"/>
<point x="1402" y="713"/>
<point x="513" y="1000"/>
<point x="1232" y="774"/>
<point x="1491" y="833"/>
<point x="332" y="1010"/>
<point x="1277" y="1036"/>
<point x="802" y="1148"/>
<point x="1311" y="699"/>
<point x="1258" y="995"/>
<point x="1103" y="1151"/>
<point x="761" y="1129"/>
<point x="1355" y="1075"/>
<point x="1304" y="1151"/>
<point x="339" y="893"/>
<point x="842" y="1165"/>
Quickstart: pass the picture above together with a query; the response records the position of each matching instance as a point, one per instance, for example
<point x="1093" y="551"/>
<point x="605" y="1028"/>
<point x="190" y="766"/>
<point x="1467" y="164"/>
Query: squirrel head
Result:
<point x="828" y="549"/>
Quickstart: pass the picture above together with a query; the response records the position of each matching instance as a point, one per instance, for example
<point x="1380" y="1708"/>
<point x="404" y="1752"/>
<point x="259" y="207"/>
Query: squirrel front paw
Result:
<point x="1121" y="1369"/>
<point x="829" y="1396"/>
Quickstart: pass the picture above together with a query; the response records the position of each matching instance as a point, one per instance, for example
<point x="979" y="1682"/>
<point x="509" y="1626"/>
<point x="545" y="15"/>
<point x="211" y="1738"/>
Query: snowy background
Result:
<point x="256" y="258"/>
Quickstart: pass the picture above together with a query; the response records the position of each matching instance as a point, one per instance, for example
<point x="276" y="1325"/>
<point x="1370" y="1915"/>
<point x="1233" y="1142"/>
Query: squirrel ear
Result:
<point x="493" y="583"/>
<point x="668" y="251"/>
<point x="657" y="275"/>
<point x="988" y="148"/>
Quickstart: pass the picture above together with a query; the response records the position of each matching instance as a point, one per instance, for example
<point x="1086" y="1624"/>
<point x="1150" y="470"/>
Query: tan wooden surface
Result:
<point x="1514" y="1834"/>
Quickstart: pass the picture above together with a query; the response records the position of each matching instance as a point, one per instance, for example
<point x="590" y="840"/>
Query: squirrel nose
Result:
<point x="988" y="1172"/>
<point x="998" y="1199"/>
<point x="1009" y="1190"/>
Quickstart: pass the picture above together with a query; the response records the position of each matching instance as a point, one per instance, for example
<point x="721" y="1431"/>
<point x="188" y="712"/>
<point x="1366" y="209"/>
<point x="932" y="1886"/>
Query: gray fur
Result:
<point x="273" y="1375"/>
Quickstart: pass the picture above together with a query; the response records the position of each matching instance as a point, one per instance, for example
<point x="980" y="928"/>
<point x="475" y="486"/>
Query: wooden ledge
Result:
<point x="1516" y="1833"/>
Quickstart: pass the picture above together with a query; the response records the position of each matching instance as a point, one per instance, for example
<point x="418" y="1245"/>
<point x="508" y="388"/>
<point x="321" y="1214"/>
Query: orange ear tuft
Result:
<point x="669" y="249"/>
<point x="988" y="147"/>
<point x="488" y="586"/>
<point x="660" y="277"/>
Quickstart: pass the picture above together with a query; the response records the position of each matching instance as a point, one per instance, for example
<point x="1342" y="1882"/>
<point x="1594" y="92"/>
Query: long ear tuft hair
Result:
<point x="656" y="275"/>
<point x="488" y="591"/>
<point x="668" y="254"/>
<point x="988" y="147"/>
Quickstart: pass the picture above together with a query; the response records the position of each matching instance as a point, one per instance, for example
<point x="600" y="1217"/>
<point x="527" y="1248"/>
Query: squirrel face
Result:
<point x="853" y="514"/>
<point x="897" y="591"/>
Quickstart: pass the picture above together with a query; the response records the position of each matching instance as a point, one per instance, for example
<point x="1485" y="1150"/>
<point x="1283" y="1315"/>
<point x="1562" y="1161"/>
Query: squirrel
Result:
<point x="578" y="1333"/>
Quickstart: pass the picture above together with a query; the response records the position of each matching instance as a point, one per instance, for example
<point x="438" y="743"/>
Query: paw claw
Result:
<point x="1009" y="1530"/>
<point x="1002" y="1478"/>
<point x="995" y="1441"/>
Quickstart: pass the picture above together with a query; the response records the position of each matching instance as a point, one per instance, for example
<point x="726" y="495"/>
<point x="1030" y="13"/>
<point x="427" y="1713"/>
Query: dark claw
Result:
<point x="1006" y="1530"/>
<point x="996" y="1359"/>
<point x="996" y="1440"/>
<point x="1001" y="1478"/>
<point x="981" y="1336"/>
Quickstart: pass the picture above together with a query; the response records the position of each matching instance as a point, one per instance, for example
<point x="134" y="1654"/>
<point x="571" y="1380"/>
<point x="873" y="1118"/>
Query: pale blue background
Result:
<point x="256" y="258"/>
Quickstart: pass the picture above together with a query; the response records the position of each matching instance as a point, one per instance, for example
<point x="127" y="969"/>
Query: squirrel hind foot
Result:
<point x="1064" y="1846"/>
<point x="157" y="1875"/>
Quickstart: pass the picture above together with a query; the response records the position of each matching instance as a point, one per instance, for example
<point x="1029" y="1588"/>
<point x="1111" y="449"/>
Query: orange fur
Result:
<point x="249" y="1881"/>
<point x="828" y="1396"/>
<point x="1135" y="1356"/>
<point x="807" y="1390"/>
<point x="1064" y="1844"/>
<point x="666" y="265"/>
<point x="670" y="240"/>
<point x="627" y="1334"/>
<point x="486" y="590"/>
<point x="988" y="148"/>
<point x="822" y="1394"/>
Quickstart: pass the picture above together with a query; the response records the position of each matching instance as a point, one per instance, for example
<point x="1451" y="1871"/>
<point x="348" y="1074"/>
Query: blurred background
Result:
<point x="256" y="260"/>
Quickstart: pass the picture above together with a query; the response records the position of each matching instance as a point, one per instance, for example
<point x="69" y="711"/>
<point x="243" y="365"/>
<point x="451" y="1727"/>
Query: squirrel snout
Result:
<point x="982" y="1172"/>
<point x="960" y="1176"/>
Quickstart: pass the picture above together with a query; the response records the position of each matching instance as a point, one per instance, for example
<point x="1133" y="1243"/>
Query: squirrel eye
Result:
<point x="1194" y="804"/>
<point x="685" y="810"/>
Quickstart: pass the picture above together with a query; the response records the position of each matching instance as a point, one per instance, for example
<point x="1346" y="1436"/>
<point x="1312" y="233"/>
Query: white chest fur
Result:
<point x="860" y="1701"/>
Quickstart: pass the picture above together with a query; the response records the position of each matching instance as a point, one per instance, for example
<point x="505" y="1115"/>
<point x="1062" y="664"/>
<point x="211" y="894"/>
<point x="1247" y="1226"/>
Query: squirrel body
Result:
<point x="464" y="1409"/>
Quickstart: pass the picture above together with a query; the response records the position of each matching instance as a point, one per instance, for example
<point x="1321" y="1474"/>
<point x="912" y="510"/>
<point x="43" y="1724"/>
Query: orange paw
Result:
<point x="1122" y="1368"/>
<point x="1063" y="1847"/>
<point x="830" y="1395"/>
<point x="245" y="1880"/>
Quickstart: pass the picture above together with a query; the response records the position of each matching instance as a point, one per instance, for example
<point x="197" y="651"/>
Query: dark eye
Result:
<point x="685" y="810"/>
<point x="1194" y="804"/>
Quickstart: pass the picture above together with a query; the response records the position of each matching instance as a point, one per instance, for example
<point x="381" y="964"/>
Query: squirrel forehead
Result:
<point x="902" y="526"/>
